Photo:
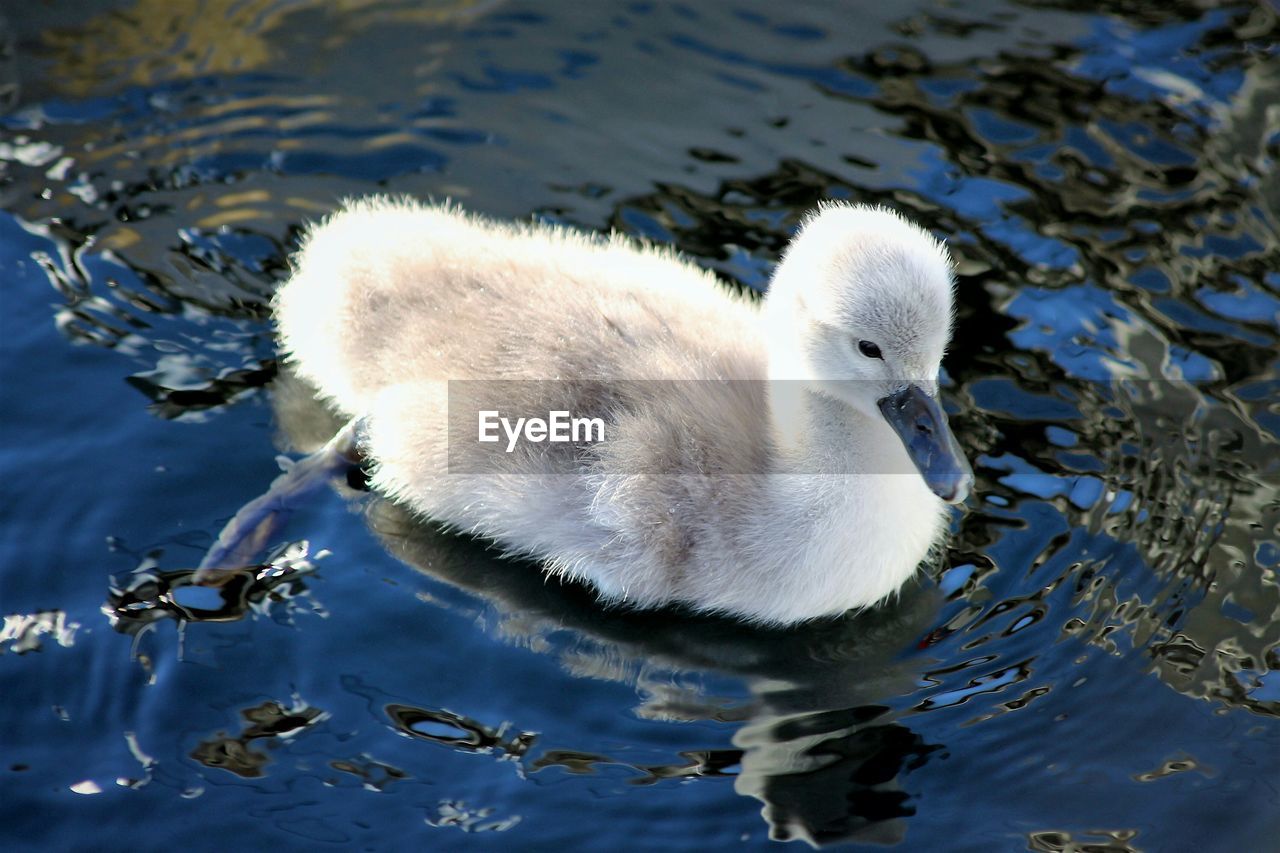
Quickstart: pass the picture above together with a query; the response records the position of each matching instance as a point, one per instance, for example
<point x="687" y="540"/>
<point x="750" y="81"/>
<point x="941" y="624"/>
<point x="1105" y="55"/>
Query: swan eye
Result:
<point x="870" y="350"/>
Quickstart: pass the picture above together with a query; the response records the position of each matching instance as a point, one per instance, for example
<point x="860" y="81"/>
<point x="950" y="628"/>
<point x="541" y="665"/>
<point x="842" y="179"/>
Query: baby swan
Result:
<point x="777" y="460"/>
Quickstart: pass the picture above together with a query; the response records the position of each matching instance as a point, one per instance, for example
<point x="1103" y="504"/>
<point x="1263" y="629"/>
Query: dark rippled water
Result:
<point x="1091" y="666"/>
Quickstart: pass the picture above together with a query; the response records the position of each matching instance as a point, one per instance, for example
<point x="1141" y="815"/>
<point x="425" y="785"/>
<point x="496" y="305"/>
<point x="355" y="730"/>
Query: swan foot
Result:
<point x="258" y="522"/>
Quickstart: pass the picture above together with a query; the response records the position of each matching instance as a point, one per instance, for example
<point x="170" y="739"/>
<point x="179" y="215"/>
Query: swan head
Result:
<point x="860" y="310"/>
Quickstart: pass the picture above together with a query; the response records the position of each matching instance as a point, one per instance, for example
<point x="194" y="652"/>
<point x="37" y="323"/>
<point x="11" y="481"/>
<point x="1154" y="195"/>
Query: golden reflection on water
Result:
<point x="161" y="40"/>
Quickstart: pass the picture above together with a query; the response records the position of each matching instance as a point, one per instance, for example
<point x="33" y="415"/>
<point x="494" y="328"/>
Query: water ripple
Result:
<point x="1100" y="638"/>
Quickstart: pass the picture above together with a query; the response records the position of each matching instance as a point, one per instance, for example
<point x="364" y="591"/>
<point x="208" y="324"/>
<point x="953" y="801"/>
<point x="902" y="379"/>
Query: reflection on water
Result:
<point x="238" y="754"/>
<point x="805" y="726"/>
<point x="1090" y="665"/>
<point x="154" y="41"/>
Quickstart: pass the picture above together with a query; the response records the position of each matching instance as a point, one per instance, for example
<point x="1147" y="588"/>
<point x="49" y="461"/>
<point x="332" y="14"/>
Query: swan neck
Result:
<point x="816" y="434"/>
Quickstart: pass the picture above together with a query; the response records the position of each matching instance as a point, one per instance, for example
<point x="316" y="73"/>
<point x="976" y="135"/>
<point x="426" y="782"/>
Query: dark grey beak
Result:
<point x="922" y="425"/>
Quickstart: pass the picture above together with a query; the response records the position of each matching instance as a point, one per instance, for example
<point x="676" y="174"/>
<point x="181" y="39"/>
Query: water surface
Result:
<point x="1091" y="662"/>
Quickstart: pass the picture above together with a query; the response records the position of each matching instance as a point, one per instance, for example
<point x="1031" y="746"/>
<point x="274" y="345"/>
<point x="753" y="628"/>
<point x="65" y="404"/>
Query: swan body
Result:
<point x="776" y="460"/>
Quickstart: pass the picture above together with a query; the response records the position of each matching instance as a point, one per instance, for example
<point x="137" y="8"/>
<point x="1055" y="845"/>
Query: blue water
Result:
<point x="1092" y="662"/>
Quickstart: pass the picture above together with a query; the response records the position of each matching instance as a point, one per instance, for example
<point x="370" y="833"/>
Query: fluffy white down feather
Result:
<point x="770" y="500"/>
